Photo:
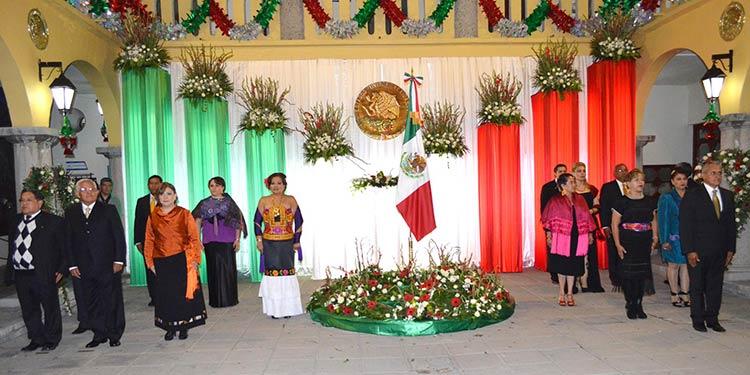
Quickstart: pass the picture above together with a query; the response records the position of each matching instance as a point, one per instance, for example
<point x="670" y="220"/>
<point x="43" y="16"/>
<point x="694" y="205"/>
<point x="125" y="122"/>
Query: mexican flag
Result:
<point x="414" y="194"/>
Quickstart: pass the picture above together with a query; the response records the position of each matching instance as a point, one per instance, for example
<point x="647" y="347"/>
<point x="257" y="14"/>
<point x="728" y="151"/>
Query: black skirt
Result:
<point x="221" y="269"/>
<point x="173" y="311"/>
<point x="278" y="257"/>
<point x="637" y="261"/>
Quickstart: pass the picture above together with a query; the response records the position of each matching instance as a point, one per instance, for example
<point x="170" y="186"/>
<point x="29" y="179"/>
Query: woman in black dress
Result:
<point x="590" y="281"/>
<point x="635" y="232"/>
<point x="569" y="229"/>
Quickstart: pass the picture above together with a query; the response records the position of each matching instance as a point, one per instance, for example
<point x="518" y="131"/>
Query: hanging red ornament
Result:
<point x="711" y="129"/>
<point x="494" y="14"/>
<point x="221" y="20"/>
<point x="562" y="20"/>
<point x="317" y="12"/>
<point x="69" y="144"/>
<point x="393" y="12"/>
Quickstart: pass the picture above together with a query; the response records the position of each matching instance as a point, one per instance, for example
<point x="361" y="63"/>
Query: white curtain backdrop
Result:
<point x="337" y="220"/>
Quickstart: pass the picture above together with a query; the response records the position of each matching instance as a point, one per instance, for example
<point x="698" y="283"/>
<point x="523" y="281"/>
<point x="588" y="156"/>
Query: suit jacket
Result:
<point x="94" y="243"/>
<point x="47" y="245"/>
<point x="549" y="190"/>
<point x="610" y="194"/>
<point x="142" y="211"/>
<point x="700" y="230"/>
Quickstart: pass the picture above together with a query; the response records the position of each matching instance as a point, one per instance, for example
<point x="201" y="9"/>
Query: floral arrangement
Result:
<point x="554" y="71"/>
<point x="378" y="180"/>
<point x="442" y="130"/>
<point x="262" y="102"/>
<point x="448" y="288"/>
<point x="204" y="74"/>
<point x="499" y="99"/>
<point x="323" y="130"/>
<point x="735" y="165"/>
<point x="612" y="37"/>
<point x="143" y="47"/>
<point x="55" y="185"/>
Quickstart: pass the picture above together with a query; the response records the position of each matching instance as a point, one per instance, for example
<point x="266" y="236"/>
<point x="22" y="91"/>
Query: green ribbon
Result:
<point x="266" y="12"/>
<point x="712" y="116"/>
<point x="196" y="18"/>
<point x="66" y="130"/>
<point x="441" y="11"/>
<point x="391" y="327"/>
<point x="537" y="17"/>
<point x="365" y="13"/>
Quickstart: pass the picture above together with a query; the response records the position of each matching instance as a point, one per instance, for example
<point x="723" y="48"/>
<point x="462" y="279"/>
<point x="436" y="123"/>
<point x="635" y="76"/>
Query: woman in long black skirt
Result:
<point x="635" y="232"/>
<point x="173" y="253"/>
<point x="221" y="223"/>
<point x="590" y="281"/>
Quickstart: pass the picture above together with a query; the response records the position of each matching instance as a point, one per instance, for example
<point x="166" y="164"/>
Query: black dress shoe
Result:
<point x="716" y="327"/>
<point x="114" y="343"/>
<point x="183" y="335"/>
<point x="631" y="314"/>
<point x="31" y="347"/>
<point x="49" y="347"/>
<point x="95" y="342"/>
<point x="79" y="330"/>
<point x="640" y="314"/>
<point x="700" y="327"/>
<point x="169" y="336"/>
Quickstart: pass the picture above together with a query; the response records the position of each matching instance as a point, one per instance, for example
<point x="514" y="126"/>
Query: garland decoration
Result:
<point x="205" y="77"/>
<point x="197" y="17"/>
<point x="442" y="130"/>
<point x="262" y="102"/>
<point x="378" y="180"/>
<point x="393" y="12"/>
<point x="735" y="163"/>
<point x="143" y="47"/>
<point x="537" y="16"/>
<point x="324" y="133"/>
<point x="499" y="98"/>
<point x="220" y="18"/>
<point x="266" y="11"/>
<point x="555" y="70"/>
<point x="562" y="20"/>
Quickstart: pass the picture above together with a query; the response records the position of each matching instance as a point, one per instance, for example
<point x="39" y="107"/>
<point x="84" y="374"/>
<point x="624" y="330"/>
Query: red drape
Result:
<point x="500" y="198"/>
<point x="611" y="124"/>
<point x="555" y="141"/>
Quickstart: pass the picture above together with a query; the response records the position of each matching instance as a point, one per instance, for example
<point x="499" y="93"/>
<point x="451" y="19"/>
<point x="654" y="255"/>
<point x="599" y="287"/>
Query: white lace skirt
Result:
<point x="281" y="296"/>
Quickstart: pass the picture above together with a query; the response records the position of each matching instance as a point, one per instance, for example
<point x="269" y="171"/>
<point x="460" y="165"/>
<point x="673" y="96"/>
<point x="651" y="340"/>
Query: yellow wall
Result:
<point x="74" y="39"/>
<point x="694" y="26"/>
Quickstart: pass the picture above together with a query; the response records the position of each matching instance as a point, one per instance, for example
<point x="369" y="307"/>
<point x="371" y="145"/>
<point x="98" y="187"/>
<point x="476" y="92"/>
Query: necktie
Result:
<point x="27" y="219"/>
<point x="152" y="203"/>
<point x="87" y="212"/>
<point x="717" y="204"/>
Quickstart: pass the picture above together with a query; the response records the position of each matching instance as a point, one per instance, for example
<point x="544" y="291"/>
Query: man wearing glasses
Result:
<point x="96" y="256"/>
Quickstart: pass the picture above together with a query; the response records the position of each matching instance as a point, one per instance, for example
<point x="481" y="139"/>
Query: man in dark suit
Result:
<point x="143" y="209"/>
<point x="36" y="257"/>
<point x="549" y="190"/>
<point x="105" y="191"/>
<point x="96" y="255"/>
<point x="708" y="235"/>
<point x="611" y="192"/>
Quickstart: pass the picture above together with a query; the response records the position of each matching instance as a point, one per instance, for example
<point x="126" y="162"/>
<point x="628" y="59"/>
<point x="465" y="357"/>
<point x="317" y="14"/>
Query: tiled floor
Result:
<point x="540" y="338"/>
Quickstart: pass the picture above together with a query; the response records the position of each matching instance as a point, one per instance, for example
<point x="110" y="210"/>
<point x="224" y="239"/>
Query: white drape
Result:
<point x="337" y="220"/>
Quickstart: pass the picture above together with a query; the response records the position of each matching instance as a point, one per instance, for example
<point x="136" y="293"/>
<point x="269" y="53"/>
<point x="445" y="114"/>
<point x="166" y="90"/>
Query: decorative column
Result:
<point x="114" y="169"/>
<point x="32" y="147"/>
<point x="735" y="133"/>
<point x="640" y="141"/>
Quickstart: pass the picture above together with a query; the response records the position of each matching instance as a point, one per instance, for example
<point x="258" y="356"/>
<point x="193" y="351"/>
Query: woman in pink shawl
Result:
<point x="570" y="231"/>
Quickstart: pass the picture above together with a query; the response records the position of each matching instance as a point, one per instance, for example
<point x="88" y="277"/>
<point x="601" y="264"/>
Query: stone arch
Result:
<point x="15" y="90"/>
<point x="106" y="94"/>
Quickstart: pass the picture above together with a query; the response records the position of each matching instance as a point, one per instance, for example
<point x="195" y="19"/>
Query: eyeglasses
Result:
<point x="86" y="190"/>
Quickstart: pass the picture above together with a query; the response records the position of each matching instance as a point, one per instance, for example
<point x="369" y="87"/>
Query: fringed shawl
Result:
<point x="558" y="219"/>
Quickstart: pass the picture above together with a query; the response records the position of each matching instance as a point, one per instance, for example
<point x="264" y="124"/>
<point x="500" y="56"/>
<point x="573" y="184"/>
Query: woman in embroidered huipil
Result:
<point x="570" y="231"/>
<point x="278" y="227"/>
<point x="172" y="249"/>
<point x="635" y="232"/>
<point x="669" y="237"/>
<point x="221" y="223"/>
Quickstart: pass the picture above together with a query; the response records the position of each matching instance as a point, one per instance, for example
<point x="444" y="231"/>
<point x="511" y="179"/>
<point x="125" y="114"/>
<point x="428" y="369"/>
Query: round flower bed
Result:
<point x="445" y="297"/>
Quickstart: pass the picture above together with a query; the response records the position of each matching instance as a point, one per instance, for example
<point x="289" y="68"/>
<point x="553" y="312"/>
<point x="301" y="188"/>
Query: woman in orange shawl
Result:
<point x="173" y="253"/>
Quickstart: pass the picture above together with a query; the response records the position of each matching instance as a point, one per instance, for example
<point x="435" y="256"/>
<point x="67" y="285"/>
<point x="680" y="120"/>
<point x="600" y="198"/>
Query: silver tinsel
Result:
<point x="173" y="31"/>
<point x="341" y="29"/>
<point x="418" y="28"/>
<point x="642" y="17"/>
<point x="582" y="27"/>
<point x="248" y="31"/>
<point x="110" y="21"/>
<point x="83" y="6"/>
<point x="511" y="29"/>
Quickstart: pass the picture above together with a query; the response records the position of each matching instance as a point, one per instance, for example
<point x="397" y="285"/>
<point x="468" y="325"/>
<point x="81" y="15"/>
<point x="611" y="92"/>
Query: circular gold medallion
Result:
<point x="37" y="28"/>
<point x="732" y="20"/>
<point x="381" y="110"/>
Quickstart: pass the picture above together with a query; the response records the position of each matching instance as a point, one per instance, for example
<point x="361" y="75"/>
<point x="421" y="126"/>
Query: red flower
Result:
<point x="499" y="296"/>
<point x="404" y="273"/>
<point x="372" y="304"/>
<point x="376" y="273"/>
<point x="347" y="310"/>
<point x="455" y="301"/>
<point x="372" y="283"/>
<point x="438" y="314"/>
<point x="411" y="311"/>
<point x="424" y="297"/>
<point x="408" y="297"/>
<point x="330" y="308"/>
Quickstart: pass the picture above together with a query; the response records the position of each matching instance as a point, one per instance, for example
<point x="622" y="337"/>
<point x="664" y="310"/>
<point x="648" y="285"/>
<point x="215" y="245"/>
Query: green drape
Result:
<point x="147" y="124"/>
<point x="264" y="154"/>
<point x="207" y="146"/>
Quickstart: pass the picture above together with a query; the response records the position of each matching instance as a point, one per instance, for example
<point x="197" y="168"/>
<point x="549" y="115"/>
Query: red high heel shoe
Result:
<point x="571" y="301"/>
